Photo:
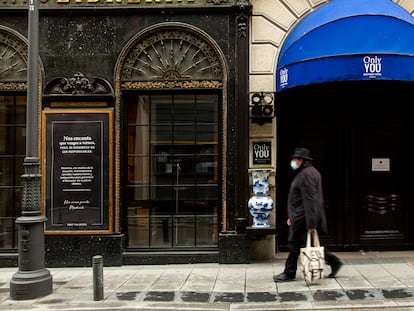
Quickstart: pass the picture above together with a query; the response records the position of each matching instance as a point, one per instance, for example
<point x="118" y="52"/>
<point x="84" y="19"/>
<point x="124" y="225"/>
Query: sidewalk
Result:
<point x="367" y="281"/>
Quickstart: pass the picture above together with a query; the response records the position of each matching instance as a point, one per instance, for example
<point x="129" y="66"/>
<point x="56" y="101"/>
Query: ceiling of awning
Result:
<point x="348" y="40"/>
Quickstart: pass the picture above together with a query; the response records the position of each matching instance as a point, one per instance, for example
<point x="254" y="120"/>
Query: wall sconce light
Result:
<point x="262" y="107"/>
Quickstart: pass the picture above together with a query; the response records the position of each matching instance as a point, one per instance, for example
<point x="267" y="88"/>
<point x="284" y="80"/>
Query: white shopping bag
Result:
<point x="312" y="259"/>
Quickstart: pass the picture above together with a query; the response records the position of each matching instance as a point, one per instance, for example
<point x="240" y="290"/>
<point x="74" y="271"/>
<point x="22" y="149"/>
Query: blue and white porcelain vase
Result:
<point x="261" y="203"/>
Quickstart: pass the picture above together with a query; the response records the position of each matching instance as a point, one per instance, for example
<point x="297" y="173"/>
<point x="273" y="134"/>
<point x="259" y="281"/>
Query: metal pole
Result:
<point x="97" y="266"/>
<point x="31" y="280"/>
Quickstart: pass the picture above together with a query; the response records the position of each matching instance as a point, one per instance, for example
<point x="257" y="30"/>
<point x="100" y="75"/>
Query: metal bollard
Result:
<point x="97" y="265"/>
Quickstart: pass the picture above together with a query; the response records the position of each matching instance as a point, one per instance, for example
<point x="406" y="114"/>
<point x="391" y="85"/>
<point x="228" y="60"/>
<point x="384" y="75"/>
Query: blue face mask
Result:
<point x="294" y="165"/>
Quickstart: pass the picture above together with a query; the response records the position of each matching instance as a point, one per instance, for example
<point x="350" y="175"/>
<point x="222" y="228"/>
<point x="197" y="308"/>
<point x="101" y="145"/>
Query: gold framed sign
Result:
<point x="77" y="165"/>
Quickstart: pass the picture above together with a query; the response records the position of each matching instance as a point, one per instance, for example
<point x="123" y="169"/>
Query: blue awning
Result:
<point x="348" y="40"/>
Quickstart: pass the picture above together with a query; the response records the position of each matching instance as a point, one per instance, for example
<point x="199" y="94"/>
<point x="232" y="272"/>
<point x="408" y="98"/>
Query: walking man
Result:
<point x="306" y="212"/>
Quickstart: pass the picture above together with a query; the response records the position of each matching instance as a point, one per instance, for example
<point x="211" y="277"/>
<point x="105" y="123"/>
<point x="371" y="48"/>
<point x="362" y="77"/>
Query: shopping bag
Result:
<point x="312" y="259"/>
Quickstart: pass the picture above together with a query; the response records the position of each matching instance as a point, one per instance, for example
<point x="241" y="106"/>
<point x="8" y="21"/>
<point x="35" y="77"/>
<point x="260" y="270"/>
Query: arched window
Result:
<point x="172" y="77"/>
<point x="13" y="64"/>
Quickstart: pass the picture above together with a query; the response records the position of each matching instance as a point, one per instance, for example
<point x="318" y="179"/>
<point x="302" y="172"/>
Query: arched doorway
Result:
<point x="341" y="93"/>
<point x="358" y="134"/>
<point x="171" y="104"/>
<point x="13" y="71"/>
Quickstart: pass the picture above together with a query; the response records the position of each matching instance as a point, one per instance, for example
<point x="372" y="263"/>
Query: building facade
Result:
<point x="152" y="114"/>
<point x="141" y="124"/>
<point x="341" y="70"/>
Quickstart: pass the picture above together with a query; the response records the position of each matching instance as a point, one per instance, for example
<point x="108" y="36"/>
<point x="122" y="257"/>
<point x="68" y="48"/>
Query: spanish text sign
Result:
<point x="77" y="170"/>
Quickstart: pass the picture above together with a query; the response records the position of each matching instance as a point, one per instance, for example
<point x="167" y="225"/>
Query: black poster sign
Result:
<point x="262" y="152"/>
<point x="77" y="175"/>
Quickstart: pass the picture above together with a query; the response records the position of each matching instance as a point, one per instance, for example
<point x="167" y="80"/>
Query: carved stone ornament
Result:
<point x="13" y="62"/>
<point x="243" y="4"/>
<point x="170" y="57"/>
<point x="242" y="26"/>
<point x="79" y="84"/>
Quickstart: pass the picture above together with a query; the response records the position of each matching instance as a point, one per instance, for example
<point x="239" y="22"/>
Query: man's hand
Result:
<point x="288" y="222"/>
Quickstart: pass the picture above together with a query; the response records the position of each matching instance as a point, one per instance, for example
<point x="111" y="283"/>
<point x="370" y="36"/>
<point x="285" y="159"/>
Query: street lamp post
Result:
<point x="32" y="280"/>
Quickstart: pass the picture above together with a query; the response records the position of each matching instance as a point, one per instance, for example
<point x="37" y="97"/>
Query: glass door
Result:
<point x="172" y="171"/>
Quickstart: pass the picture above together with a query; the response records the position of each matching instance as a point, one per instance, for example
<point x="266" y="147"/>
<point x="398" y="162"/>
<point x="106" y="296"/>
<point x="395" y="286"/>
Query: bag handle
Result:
<point x="315" y="236"/>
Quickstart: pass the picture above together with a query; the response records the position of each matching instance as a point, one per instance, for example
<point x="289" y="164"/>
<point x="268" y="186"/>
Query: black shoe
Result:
<point x="283" y="277"/>
<point x="335" y="268"/>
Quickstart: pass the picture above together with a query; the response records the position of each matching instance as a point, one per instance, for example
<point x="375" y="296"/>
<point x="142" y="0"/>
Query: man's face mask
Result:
<point x="294" y="165"/>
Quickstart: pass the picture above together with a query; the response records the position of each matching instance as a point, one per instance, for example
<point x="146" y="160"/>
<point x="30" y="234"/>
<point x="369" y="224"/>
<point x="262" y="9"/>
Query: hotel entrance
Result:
<point x="358" y="134"/>
<point x="342" y="93"/>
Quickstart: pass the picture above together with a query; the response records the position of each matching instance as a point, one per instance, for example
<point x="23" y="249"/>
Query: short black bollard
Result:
<point x="97" y="265"/>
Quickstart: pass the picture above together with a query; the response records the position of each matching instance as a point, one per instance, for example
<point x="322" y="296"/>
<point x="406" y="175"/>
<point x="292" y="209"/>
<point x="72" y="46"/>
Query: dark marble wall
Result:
<point x="90" y="42"/>
<point x="234" y="248"/>
<point x="78" y="250"/>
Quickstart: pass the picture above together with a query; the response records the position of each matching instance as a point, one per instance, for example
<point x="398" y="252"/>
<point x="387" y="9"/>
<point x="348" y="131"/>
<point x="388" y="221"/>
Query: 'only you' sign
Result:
<point x="262" y="152"/>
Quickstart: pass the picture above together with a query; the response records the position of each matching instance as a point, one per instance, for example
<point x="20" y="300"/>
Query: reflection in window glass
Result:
<point x="12" y="154"/>
<point x="172" y="174"/>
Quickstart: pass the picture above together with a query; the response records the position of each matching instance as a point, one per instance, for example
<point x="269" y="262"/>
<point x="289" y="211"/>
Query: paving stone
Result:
<point x="159" y="296"/>
<point x="364" y="294"/>
<point x="322" y="295"/>
<point x="261" y="297"/>
<point x="195" y="297"/>
<point x="293" y="296"/>
<point x="397" y="293"/>
<point x="229" y="297"/>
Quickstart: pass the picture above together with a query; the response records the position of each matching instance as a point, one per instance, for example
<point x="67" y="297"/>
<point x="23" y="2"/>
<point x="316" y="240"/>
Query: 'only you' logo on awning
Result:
<point x="372" y="66"/>
<point x="283" y="75"/>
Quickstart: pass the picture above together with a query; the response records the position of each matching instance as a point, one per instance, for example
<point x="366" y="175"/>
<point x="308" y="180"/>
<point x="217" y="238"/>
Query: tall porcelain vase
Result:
<point x="261" y="203"/>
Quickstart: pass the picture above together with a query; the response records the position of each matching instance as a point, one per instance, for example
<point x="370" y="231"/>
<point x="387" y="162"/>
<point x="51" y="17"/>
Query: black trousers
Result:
<point x="294" y="250"/>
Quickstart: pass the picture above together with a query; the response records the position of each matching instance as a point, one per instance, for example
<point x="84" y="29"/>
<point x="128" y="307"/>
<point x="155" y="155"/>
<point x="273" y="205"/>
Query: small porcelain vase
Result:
<point x="261" y="203"/>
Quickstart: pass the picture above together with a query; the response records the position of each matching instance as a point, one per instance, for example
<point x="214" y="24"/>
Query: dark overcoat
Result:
<point x="305" y="203"/>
